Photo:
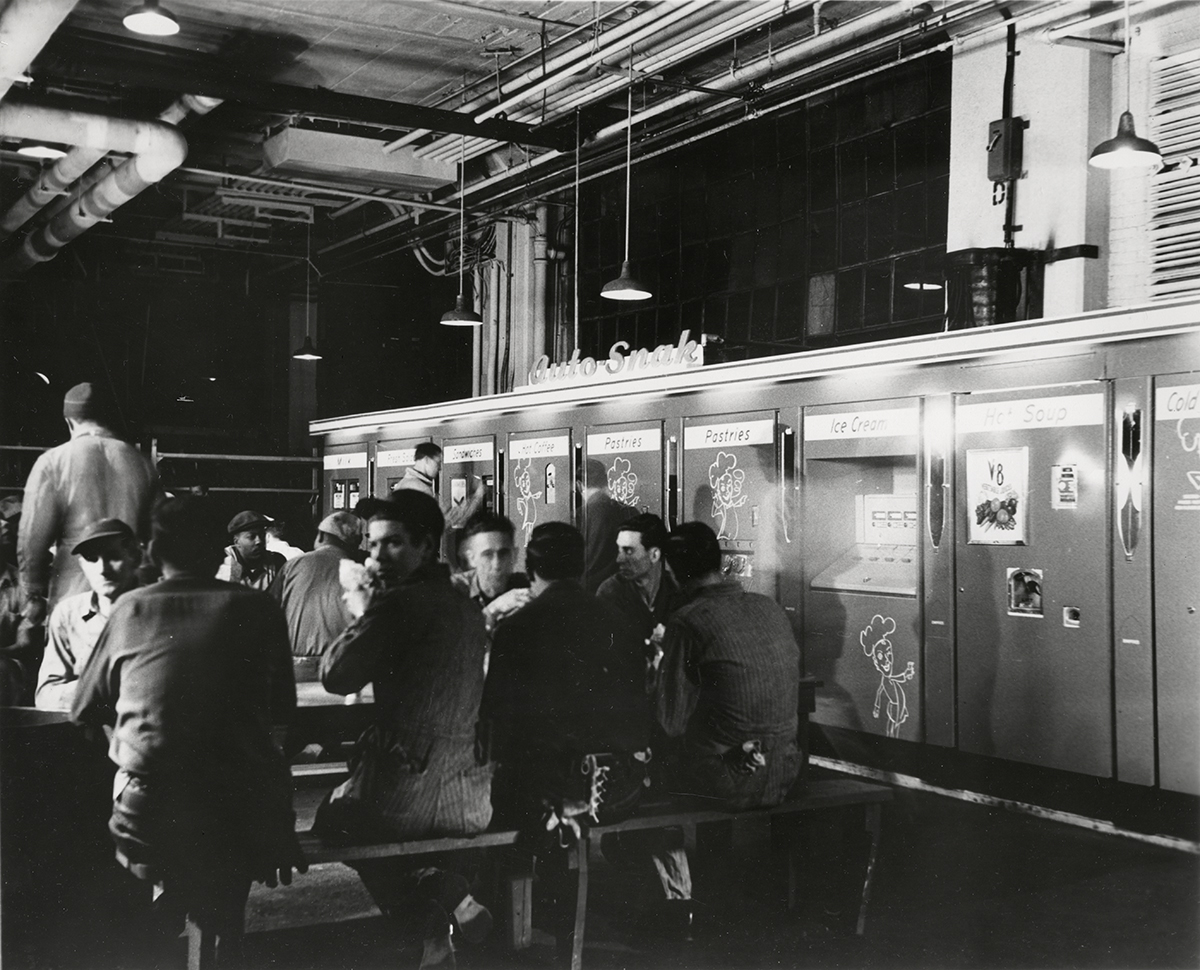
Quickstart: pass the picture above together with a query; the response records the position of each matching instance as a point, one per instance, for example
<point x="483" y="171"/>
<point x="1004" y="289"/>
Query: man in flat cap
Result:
<point x="92" y="476"/>
<point x="109" y="556"/>
<point x="247" y="561"/>
<point x="310" y="592"/>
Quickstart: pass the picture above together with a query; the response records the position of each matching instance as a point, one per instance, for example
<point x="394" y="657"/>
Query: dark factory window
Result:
<point x="791" y="231"/>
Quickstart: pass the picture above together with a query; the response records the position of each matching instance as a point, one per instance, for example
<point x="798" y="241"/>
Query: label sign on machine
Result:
<point x="395" y="457"/>
<point x="1173" y="403"/>
<point x="540" y="447"/>
<point x="729" y="435"/>
<point x="1064" y="490"/>
<point x="457" y="454"/>
<point x="1068" y="411"/>
<point x="893" y="423"/>
<point x="612" y="442"/>
<point x="356" y="459"/>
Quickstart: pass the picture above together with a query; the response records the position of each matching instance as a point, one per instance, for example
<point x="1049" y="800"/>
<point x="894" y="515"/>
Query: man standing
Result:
<point x="489" y="580"/>
<point x="247" y="561"/>
<point x="109" y="556"/>
<point x="421" y="476"/>
<point x="729" y="681"/>
<point x="642" y="588"/>
<point x="565" y="686"/>
<point x="190" y="674"/>
<point x="602" y="518"/>
<point x="415" y="774"/>
<point x="310" y="593"/>
<point x="93" y="476"/>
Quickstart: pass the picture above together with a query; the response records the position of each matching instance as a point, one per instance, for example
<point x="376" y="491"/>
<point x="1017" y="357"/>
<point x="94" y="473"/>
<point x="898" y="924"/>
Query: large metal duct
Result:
<point x="157" y="150"/>
<point x="54" y="182"/>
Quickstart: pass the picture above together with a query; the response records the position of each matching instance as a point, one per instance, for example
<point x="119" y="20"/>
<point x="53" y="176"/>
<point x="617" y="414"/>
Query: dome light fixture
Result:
<point x="1126" y="150"/>
<point x="461" y="316"/>
<point x="625" y="287"/>
<point x="151" y="19"/>
<point x="39" y="150"/>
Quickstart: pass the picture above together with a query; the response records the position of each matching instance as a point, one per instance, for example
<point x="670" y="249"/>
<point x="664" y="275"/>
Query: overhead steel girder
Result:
<point x="287" y="99"/>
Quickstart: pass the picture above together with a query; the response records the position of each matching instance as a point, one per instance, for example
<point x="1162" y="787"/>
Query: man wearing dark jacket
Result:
<point x="564" y="693"/>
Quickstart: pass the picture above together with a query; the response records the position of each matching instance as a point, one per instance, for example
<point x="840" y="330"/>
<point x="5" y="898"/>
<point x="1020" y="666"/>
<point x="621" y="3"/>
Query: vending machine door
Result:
<point x="468" y="485"/>
<point x="1033" y="610"/>
<point x="541" y="482"/>
<point x="1177" y="579"/>
<point x="731" y="482"/>
<point x="344" y="476"/>
<point x="862" y="572"/>
<point x="632" y="456"/>
<point x="392" y="458"/>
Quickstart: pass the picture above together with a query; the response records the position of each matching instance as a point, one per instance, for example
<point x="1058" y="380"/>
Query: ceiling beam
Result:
<point x="231" y="84"/>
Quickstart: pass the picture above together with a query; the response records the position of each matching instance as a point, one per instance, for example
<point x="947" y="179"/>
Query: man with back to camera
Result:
<point x="247" y="561"/>
<point x="643" y="589"/>
<point x="190" y="674"/>
<point x="729" y="681"/>
<point x="92" y="476"/>
<point x="415" y="773"/>
<point x="309" y="591"/>
<point x="486" y="545"/>
<point x="109" y="556"/>
<point x="602" y="518"/>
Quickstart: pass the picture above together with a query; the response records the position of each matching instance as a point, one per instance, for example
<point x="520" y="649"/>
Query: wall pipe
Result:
<point x="537" y="325"/>
<point x="156" y="148"/>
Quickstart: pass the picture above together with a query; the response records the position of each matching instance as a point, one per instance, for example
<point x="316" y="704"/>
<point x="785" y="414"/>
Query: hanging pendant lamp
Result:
<point x="307" y="350"/>
<point x="1126" y="150"/>
<point x="625" y="287"/>
<point x="461" y="316"/>
<point x="149" y="18"/>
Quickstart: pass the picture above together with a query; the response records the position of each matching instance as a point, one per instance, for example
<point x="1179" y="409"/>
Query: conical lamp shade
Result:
<point x="624" y="287"/>
<point x="150" y="18"/>
<point x="307" y="351"/>
<point x="460" y="316"/>
<point x="1127" y="150"/>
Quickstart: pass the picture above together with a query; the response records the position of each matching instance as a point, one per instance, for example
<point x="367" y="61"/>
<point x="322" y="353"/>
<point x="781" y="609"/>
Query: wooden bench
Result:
<point x="821" y="794"/>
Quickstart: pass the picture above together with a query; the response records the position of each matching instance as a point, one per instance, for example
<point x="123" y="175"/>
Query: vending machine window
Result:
<point x="883" y="558"/>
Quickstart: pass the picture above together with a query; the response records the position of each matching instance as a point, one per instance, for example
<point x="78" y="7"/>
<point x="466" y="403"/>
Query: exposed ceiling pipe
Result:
<point x="564" y="66"/>
<point x="156" y="148"/>
<point x="54" y="182"/>
<point x="612" y="43"/>
<point x="25" y="27"/>
<point x="686" y="45"/>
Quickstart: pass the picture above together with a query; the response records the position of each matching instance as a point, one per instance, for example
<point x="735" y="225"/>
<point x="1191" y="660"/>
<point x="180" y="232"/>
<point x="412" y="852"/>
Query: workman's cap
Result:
<point x="10" y="506"/>
<point x="87" y="402"/>
<point x="103" y="529"/>
<point x="247" y="522"/>
<point x="343" y="526"/>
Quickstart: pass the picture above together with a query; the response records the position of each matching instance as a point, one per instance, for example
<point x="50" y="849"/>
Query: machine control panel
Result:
<point x="884" y="557"/>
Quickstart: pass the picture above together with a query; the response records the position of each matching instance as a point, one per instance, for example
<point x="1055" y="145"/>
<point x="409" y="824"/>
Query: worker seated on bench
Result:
<point x="414" y="773"/>
<point x="728" y="685"/>
<point x="565" y="699"/>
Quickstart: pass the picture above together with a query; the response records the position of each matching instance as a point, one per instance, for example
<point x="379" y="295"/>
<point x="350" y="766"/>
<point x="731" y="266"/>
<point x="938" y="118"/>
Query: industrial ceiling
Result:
<point x="335" y="128"/>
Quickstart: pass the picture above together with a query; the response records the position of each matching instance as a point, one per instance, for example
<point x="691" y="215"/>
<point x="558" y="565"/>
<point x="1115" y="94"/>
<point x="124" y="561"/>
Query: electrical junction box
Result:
<point x="1004" y="147"/>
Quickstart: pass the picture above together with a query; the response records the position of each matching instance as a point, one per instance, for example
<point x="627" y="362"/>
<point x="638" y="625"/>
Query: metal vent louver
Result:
<point x="1175" y="192"/>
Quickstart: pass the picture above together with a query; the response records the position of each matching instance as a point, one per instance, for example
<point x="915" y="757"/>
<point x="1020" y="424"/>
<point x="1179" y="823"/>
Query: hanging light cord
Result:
<point x="628" y="150"/>
<point x="307" y="271"/>
<point x="576" y="286"/>
<point x="1128" y="64"/>
<point x="462" y="210"/>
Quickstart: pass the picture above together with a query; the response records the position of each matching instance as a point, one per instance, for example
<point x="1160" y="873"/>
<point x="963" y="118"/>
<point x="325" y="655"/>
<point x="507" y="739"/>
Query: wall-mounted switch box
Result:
<point x="1004" y="149"/>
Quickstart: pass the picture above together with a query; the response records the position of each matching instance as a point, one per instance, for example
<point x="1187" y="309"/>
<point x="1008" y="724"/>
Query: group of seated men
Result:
<point x="524" y="698"/>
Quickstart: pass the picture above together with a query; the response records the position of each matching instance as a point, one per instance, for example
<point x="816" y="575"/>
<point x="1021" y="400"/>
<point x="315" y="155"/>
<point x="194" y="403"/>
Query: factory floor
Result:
<point x="957" y="885"/>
